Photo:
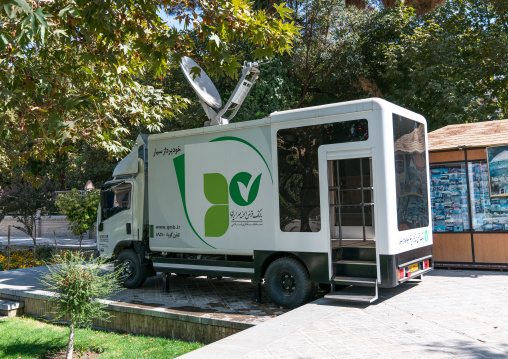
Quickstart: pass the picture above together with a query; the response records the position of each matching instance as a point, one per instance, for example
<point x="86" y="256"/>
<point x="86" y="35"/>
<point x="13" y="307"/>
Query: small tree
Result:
<point x="79" y="286"/>
<point x="27" y="201"/>
<point x="80" y="208"/>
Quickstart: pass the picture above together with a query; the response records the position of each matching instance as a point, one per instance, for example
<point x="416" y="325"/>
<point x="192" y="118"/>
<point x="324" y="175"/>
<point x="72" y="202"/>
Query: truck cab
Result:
<point x="121" y="216"/>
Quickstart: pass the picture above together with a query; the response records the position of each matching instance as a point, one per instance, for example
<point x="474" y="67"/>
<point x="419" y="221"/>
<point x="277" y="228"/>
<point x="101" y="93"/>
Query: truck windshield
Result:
<point x="114" y="199"/>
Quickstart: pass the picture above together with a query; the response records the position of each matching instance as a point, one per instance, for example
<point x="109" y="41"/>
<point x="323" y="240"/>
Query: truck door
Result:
<point x="351" y="199"/>
<point x="352" y="226"/>
<point x="116" y="216"/>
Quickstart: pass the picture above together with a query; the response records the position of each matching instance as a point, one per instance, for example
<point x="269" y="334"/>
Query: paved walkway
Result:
<point x="451" y="314"/>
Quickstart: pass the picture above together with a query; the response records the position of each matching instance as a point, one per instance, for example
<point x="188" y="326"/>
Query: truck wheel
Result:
<point x="287" y="282"/>
<point x="313" y="292"/>
<point x="133" y="273"/>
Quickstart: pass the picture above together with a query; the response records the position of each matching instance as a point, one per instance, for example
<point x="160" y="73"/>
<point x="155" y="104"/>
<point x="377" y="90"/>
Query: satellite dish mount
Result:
<point x="209" y="96"/>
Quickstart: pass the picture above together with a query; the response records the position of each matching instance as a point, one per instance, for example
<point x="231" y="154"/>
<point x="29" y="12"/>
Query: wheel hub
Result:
<point x="288" y="283"/>
<point x="128" y="268"/>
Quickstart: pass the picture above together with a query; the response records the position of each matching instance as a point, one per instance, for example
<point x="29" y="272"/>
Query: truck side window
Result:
<point x="297" y="155"/>
<point x="115" y="199"/>
<point x="410" y="173"/>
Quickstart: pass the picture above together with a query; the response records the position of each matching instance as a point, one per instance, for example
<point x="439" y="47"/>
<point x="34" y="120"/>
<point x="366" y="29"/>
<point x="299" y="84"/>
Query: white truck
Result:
<point x="335" y="194"/>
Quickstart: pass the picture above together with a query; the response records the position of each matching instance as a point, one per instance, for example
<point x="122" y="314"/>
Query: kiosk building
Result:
<point x="469" y="194"/>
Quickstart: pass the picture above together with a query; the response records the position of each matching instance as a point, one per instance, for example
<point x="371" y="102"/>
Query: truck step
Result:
<point x="10" y="308"/>
<point x="360" y="262"/>
<point x="355" y="294"/>
<point x="355" y="268"/>
<point x="355" y="281"/>
<point x="362" y="253"/>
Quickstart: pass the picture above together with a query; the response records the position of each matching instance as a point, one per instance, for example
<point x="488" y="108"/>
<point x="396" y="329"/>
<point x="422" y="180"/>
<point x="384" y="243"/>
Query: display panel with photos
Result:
<point x="497" y="158"/>
<point x="450" y="212"/>
<point x="488" y="213"/>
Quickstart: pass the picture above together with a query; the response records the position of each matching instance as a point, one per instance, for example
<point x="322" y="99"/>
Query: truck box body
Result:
<point x="300" y="183"/>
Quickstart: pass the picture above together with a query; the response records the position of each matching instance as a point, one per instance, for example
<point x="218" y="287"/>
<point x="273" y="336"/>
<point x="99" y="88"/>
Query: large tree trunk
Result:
<point x="70" y="346"/>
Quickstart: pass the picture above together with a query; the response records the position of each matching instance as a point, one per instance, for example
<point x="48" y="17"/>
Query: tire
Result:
<point x="313" y="292"/>
<point x="133" y="273"/>
<point x="287" y="282"/>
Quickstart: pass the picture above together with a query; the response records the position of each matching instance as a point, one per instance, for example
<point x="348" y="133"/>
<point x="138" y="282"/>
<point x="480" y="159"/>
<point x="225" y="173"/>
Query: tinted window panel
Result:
<point x="411" y="173"/>
<point x="297" y="154"/>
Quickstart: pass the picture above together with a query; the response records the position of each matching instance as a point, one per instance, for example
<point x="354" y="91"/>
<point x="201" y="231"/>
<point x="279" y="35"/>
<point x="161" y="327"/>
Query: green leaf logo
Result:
<point x="217" y="216"/>
<point x="243" y="192"/>
<point x="426" y="236"/>
<point x="215" y="188"/>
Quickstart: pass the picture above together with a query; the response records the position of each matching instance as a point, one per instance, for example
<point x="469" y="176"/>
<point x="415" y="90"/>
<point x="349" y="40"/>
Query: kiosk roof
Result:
<point x="478" y="134"/>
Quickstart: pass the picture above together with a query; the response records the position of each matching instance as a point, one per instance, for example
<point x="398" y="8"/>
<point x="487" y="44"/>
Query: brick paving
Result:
<point x="451" y="314"/>
<point x="225" y="299"/>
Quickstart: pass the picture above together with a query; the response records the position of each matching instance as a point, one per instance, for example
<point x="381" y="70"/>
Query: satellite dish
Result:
<point x="202" y="84"/>
<point x="209" y="96"/>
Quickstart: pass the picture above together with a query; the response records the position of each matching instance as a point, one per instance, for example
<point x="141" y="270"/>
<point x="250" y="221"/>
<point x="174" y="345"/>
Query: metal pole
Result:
<point x="363" y="199"/>
<point x="8" y="246"/>
<point x="56" y="245"/>
<point x="339" y="203"/>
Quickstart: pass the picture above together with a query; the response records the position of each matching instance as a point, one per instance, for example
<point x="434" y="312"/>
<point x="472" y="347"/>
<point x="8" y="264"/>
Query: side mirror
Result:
<point x="101" y="227"/>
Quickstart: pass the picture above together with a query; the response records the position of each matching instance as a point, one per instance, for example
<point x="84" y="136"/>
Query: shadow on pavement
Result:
<point x="465" y="273"/>
<point x="465" y="349"/>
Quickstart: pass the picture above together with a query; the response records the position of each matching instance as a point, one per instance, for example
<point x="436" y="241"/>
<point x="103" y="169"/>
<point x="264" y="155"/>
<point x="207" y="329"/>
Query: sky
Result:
<point x="170" y="21"/>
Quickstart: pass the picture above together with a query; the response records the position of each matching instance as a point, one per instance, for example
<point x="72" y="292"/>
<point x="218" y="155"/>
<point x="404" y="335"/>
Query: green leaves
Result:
<point x="79" y="283"/>
<point x="449" y="65"/>
<point x="283" y="11"/>
<point x="81" y="63"/>
<point x="80" y="208"/>
<point x="27" y="200"/>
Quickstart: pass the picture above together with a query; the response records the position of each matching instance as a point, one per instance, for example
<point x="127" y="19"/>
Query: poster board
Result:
<point x="497" y="159"/>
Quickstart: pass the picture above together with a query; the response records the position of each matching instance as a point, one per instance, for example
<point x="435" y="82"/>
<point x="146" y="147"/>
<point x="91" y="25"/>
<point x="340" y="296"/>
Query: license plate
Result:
<point x="413" y="268"/>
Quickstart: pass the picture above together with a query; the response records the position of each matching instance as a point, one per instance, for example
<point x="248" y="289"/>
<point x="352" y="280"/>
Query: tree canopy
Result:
<point x="448" y="64"/>
<point x="80" y="79"/>
<point x="72" y="69"/>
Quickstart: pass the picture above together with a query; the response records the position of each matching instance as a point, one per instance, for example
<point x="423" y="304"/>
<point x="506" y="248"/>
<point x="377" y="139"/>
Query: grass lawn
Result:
<point x="29" y="338"/>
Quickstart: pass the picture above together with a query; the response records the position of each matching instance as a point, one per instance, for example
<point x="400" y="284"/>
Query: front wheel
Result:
<point x="287" y="282"/>
<point x="133" y="274"/>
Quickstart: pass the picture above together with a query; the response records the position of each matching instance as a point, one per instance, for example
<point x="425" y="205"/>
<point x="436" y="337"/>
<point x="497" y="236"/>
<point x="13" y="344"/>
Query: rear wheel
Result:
<point x="287" y="282"/>
<point x="133" y="273"/>
<point x="313" y="292"/>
